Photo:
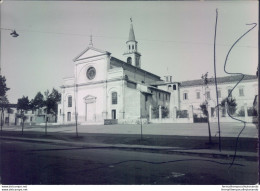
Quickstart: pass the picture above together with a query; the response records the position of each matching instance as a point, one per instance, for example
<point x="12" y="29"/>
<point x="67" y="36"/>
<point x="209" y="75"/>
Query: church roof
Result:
<point x="119" y="63"/>
<point x="220" y="80"/>
<point x="131" y="33"/>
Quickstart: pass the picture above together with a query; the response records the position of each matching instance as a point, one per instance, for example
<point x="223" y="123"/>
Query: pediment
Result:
<point x="90" y="52"/>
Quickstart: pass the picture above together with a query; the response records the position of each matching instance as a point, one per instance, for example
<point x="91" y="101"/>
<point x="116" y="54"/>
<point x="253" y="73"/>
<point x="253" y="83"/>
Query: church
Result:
<point x="107" y="90"/>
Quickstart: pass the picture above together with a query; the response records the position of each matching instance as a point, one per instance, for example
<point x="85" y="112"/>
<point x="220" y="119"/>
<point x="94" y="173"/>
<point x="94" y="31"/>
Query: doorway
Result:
<point x="113" y="114"/>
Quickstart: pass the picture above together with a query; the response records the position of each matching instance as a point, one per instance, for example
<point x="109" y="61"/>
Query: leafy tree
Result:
<point x="204" y="105"/>
<point x="51" y="103"/>
<point x="38" y="101"/>
<point x="3" y="98"/>
<point x="3" y="87"/>
<point x="23" y="105"/>
<point x="3" y="106"/>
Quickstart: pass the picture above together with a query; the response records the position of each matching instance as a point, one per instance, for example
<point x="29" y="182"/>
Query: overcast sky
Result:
<point x="174" y="35"/>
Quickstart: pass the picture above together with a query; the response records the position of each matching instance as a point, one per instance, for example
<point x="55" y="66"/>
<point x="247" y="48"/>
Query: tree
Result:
<point x="55" y="98"/>
<point x="204" y="105"/>
<point x="3" y="98"/>
<point x="51" y="103"/>
<point x="38" y="101"/>
<point x="23" y="105"/>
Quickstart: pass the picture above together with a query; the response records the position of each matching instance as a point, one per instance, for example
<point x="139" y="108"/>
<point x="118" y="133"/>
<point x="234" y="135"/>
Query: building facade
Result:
<point x="106" y="88"/>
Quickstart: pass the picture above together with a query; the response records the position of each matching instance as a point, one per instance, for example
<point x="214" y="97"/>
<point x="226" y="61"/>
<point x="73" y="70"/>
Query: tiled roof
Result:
<point x="220" y="80"/>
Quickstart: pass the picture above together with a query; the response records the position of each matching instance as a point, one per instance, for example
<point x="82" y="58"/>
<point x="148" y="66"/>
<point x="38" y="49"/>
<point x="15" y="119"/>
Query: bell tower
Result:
<point x="132" y="56"/>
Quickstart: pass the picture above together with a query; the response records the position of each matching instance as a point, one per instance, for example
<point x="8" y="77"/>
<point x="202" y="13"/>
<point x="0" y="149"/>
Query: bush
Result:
<point x="241" y="113"/>
<point x="251" y="111"/>
<point x="231" y="105"/>
<point x="182" y="114"/>
<point x="165" y="111"/>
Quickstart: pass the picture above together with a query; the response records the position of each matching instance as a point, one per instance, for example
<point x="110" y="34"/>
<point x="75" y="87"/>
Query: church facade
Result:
<point x="105" y="88"/>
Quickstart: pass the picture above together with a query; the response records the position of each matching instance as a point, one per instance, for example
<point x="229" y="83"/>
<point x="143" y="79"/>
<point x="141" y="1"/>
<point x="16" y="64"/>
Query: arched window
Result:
<point x="129" y="47"/>
<point x="133" y="47"/>
<point x="114" y="98"/>
<point x="129" y="60"/>
<point x="69" y="101"/>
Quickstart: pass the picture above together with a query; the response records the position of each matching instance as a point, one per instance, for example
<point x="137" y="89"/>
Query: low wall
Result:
<point x="110" y="121"/>
<point x="171" y="120"/>
<point x="133" y="121"/>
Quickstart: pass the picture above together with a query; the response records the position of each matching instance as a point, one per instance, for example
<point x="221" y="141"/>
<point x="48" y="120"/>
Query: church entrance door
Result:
<point x="90" y="112"/>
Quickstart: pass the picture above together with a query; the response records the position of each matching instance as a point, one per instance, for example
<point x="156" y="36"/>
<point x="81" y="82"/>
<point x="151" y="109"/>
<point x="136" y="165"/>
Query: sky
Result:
<point x="174" y="38"/>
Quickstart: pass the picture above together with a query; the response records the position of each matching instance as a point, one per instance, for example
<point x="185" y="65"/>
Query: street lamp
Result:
<point x="14" y="34"/>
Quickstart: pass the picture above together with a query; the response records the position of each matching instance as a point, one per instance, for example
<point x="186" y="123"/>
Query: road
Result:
<point x="180" y="129"/>
<point x="54" y="164"/>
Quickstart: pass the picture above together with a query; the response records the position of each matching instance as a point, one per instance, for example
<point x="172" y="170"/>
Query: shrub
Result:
<point x="182" y="114"/>
<point x="241" y="113"/>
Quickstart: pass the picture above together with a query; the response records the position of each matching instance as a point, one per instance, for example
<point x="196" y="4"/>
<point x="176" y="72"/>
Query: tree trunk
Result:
<point x="46" y="125"/>
<point x="22" y="125"/>
<point x="210" y="141"/>
<point x="1" y="120"/>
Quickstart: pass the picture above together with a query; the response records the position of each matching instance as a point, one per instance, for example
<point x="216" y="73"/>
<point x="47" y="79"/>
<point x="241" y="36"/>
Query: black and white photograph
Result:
<point x="129" y="93"/>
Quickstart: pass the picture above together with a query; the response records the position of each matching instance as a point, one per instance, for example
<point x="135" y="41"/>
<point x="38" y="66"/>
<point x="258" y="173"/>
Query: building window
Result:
<point x="159" y="96"/>
<point x="60" y="111"/>
<point x="129" y="60"/>
<point x="69" y="116"/>
<point x="91" y="73"/>
<point x="185" y="96"/>
<point x="114" y="98"/>
<point x="30" y="118"/>
<point x="208" y="95"/>
<point x="133" y="47"/>
<point x="198" y="95"/>
<point x="129" y="47"/>
<point x="174" y="87"/>
<point x="70" y="101"/>
<point x="219" y="93"/>
<point x="241" y="92"/>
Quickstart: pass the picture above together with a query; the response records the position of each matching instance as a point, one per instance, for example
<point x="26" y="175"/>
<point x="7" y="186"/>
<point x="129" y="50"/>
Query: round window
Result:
<point x="91" y="73"/>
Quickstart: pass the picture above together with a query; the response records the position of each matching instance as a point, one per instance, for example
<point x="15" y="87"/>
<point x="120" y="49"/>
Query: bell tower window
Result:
<point x="129" y="60"/>
<point x="133" y="47"/>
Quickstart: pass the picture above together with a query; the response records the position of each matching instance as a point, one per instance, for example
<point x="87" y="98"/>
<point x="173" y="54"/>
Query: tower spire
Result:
<point x="131" y="54"/>
<point x="131" y="32"/>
